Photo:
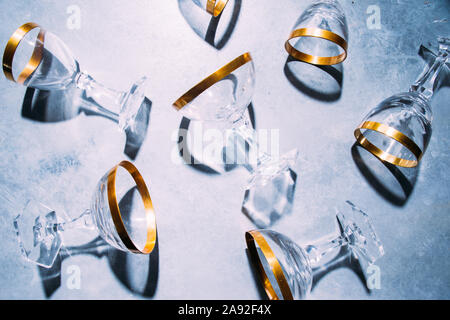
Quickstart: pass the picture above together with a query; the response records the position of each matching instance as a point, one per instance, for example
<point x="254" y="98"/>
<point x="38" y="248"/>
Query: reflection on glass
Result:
<point x="37" y="58"/>
<point x="213" y="7"/>
<point x="398" y="130"/>
<point x="286" y="269"/>
<point x="320" y="35"/>
<point x="224" y="97"/>
<point x="215" y="30"/>
<point x="132" y="227"/>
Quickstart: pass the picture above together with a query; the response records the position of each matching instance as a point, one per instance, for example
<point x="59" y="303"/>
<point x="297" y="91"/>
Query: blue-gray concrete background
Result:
<point x="200" y="225"/>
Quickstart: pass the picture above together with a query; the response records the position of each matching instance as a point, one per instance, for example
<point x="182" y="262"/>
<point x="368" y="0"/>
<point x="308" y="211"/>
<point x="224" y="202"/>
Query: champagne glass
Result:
<point x="398" y="130"/>
<point x="40" y="229"/>
<point x="213" y="7"/>
<point x="321" y="34"/>
<point x="224" y="97"/>
<point x="37" y="58"/>
<point x="286" y="269"/>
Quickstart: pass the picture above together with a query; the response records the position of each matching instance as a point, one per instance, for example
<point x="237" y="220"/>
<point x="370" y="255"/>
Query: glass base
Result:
<point x="129" y="116"/>
<point x="359" y="233"/>
<point x="36" y="230"/>
<point x="270" y="191"/>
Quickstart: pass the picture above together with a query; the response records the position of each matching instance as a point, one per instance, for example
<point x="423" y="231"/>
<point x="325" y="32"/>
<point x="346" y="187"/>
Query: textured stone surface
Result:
<point x="200" y="226"/>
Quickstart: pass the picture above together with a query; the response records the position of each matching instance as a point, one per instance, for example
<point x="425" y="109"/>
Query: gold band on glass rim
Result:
<point x="11" y="47"/>
<point x="252" y="237"/>
<point x="391" y="133"/>
<point x="115" y="211"/>
<point x="317" y="33"/>
<point x="215" y="7"/>
<point x="211" y="80"/>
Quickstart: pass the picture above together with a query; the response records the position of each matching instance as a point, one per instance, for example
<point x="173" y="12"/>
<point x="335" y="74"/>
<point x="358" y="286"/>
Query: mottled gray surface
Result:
<point x="200" y="226"/>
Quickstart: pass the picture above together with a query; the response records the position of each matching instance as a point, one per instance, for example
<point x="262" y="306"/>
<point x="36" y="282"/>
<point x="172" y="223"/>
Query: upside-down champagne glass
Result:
<point x="320" y="36"/>
<point x="398" y="130"/>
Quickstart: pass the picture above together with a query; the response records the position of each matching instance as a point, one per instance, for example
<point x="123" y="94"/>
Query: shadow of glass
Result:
<point x="344" y="259"/>
<point x="393" y="183"/>
<point x="50" y="106"/>
<point x="63" y="105"/>
<point x="323" y="83"/>
<point x="189" y="157"/>
<point x="51" y="277"/>
<point x="138" y="273"/>
<point x="281" y="190"/>
<point x="208" y="27"/>
<point x="256" y="277"/>
<point x="137" y="136"/>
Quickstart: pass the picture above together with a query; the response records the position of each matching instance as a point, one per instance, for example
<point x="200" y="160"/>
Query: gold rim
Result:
<point x="317" y="33"/>
<point x="115" y="211"/>
<point x="206" y="83"/>
<point x="215" y="7"/>
<point x="393" y="134"/>
<point x="253" y="237"/>
<point x="11" y="47"/>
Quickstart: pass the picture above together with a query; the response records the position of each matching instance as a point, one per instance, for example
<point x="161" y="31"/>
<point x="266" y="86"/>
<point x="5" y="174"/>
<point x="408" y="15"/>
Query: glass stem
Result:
<point x="102" y="100"/>
<point x="426" y="83"/>
<point x="247" y="141"/>
<point x="82" y="221"/>
<point x="321" y="248"/>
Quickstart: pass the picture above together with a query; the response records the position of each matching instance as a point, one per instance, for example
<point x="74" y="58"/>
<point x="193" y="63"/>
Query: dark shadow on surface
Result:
<point x="186" y="154"/>
<point x="378" y="174"/>
<point x="214" y="23"/>
<point x="138" y="273"/>
<point x="256" y="278"/>
<point x="49" y="106"/>
<point x="301" y="79"/>
<point x="344" y="259"/>
<point x="135" y="138"/>
<point x="125" y="265"/>
<point x="51" y="277"/>
<point x="63" y="105"/>
<point x="206" y="25"/>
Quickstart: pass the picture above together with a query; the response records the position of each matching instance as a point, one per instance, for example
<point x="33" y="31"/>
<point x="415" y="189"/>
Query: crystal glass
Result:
<point x="320" y="35"/>
<point x="287" y="269"/>
<point x="215" y="27"/>
<point x="223" y="97"/>
<point x="126" y="225"/>
<point x="398" y="130"/>
<point x="213" y="7"/>
<point x="37" y="58"/>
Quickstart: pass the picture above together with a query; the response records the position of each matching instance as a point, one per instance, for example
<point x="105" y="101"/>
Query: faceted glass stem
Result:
<point x="247" y="135"/>
<point x="322" y="248"/>
<point x="426" y="83"/>
<point x="105" y="99"/>
<point x="82" y="221"/>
